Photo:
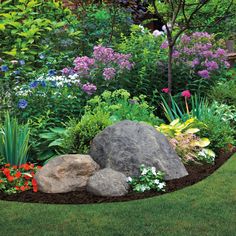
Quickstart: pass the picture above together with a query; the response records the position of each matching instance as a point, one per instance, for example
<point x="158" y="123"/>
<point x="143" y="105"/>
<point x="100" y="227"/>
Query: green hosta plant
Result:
<point x="149" y="179"/>
<point x="14" y="139"/>
<point x="187" y="144"/>
<point x="176" y="127"/>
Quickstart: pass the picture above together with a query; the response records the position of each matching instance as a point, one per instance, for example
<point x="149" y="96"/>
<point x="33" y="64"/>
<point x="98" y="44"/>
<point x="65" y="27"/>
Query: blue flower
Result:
<point x="33" y="84"/>
<point x="16" y="72"/>
<point x="22" y="104"/>
<point x="43" y="83"/>
<point x="4" y="68"/>
<point x="41" y="56"/>
<point x="22" y="62"/>
<point x="52" y="72"/>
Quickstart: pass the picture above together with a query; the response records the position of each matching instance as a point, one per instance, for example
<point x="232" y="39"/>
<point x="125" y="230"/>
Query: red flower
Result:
<point x="34" y="183"/>
<point x="35" y="189"/>
<point x="7" y="165"/>
<point x="17" y="188"/>
<point x="22" y="188"/>
<point x="25" y="166"/>
<point x="186" y="93"/>
<point x="14" y="167"/>
<point x="18" y="174"/>
<point x="26" y="183"/>
<point x="32" y="173"/>
<point x="165" y="90"/>
<point x="6" y="172"/>
<point x="27" y="177"/>
<point x="1" y="181"/>
<point x="10" y="178"/>
<point x="39" y="167"/>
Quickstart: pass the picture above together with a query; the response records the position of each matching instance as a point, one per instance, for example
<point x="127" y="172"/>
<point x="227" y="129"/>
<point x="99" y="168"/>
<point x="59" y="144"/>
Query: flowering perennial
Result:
<point x="15" y="179"/>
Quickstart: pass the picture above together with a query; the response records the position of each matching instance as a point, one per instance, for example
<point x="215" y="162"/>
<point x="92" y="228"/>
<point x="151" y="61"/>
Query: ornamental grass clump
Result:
<point x="14" y="139"/>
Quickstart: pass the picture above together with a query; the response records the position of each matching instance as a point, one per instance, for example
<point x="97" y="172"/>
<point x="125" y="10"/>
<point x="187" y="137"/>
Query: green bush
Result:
<point x="29" y="28"/>
<point x="80" y="135"/>
<point x="224" y="92"/>
<point x="218" y="131"/>
<point x="102" y="111"/>
<point x="102" y="23"/>
<point x="14" y="139"/>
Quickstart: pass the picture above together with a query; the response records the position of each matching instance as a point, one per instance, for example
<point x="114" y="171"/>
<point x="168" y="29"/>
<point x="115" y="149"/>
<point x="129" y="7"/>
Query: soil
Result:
<point x="196" y="174"/>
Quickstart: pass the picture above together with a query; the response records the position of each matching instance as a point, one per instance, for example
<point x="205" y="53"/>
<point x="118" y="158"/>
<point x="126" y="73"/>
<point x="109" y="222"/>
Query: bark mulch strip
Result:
<point x="196" y="174"/>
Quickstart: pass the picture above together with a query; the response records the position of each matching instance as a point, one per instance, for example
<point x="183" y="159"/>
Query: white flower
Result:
<point x="129" y="179"/>
<point x="157" y="33"/>
<point x="143" y="188"/>
<point x="144" y="172"/>
<point x="153" y="169"/>
<point x="161" y="185"/>
<point x="156" y="181"/>
<point x="164" y="27"/>
<point x="142" y="28"/>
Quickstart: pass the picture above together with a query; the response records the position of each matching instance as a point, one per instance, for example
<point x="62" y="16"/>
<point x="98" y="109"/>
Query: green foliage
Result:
<point x="62" y="101"/>
<point x="80" y="135"/>
<point x="176" y="111"/>
<point x="121" y="106"/>
<point x="150" y="179"/>
<point x="102" y="23"/>
<point x="218" y="130"/>
<point x="30" y="27"/>
<point x="188" y="145"/>
<point x="14" y="139"/>
<point x="224" y="92"/>
<point x="150" y="69"/>
<point x="104" y="110"/>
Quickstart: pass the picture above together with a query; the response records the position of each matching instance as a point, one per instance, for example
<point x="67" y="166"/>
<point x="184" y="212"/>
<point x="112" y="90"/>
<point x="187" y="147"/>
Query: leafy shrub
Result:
<point x="150" y="69"/>
<point x="218" y="131"/>
<point x="14" y="179"/>
<point x="103" y="23"/>
<point x="224" y="92"/>
<point x="27" y="28"/>
<point x="105" y="110"/>
<point x="80" y="135"/>
<point x="121" y="106"/>
<point x="14" y="139"/>
<point x="150" y="179"/>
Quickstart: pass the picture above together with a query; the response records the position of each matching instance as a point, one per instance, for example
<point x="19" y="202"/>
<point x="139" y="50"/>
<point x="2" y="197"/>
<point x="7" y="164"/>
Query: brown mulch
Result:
<point x="196" y="174"/>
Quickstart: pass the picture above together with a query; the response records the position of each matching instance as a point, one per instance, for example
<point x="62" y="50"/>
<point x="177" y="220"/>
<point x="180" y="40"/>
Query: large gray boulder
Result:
<point x="128" y="144"/>
<point x="108" y="183"/>
<point x="65" y="173"/>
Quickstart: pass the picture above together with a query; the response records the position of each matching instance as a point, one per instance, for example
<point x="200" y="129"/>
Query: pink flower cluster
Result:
<point x="105" y="63"/>
<point x="202" y="53"/>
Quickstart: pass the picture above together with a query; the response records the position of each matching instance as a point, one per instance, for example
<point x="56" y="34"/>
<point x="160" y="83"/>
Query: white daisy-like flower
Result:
<point x="144" y="172"/>
<point x="161" y="185"/>
<point x="153" y="169"/>
<point x="129" y="179"/>
<point x="142" y="28"/>
<point x="156" y="181"/>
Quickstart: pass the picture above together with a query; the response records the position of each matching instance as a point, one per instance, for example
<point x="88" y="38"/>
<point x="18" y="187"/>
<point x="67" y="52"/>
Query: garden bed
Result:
<point x="196" y="174"/>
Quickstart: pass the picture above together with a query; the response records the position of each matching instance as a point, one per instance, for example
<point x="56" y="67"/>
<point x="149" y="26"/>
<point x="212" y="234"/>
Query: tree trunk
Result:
<point x="170" y="68"/>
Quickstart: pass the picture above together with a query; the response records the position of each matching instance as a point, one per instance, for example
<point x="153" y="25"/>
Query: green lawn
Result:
<point x="207" y="208"/>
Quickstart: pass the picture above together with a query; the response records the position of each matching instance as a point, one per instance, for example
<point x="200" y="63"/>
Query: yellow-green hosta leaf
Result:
<point x="203" y="142"/>
<point x="174" y="122"/>
<point x="209" y="152"/>
<point x="2" y="27"/>
<point x="192" y="131"/>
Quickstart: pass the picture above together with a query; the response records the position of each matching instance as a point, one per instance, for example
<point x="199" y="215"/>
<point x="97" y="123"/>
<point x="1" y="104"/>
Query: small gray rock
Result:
<point x="108" y="183"/>
<point x="126" y="145"/>
<point x="65" y="173"/>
